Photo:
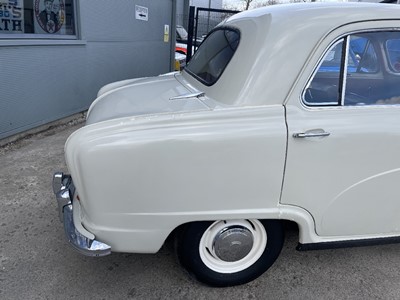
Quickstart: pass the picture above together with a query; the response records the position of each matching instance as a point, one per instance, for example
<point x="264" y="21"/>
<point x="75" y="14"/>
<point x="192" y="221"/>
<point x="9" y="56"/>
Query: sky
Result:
<point x="238" y="4"/>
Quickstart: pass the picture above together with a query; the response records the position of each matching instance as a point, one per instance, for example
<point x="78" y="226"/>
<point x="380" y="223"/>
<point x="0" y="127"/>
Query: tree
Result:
<point x="247" y="4"/>
<point x="260" y="3"/>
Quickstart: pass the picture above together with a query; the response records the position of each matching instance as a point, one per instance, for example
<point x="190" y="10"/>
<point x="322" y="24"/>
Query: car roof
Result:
<point x="276" y="43"/>
<point x="322" y="13"/>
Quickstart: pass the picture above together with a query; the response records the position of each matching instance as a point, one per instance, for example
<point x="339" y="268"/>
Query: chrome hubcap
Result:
<point x="233" y="243"/>
<point x="230" y="246"/>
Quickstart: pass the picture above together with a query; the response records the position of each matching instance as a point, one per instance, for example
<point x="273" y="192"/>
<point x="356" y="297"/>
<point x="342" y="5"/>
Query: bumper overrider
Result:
<point x="64" y="189"/>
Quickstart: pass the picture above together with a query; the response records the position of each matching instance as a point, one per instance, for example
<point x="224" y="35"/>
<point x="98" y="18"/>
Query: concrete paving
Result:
<point x="37" y="263"/>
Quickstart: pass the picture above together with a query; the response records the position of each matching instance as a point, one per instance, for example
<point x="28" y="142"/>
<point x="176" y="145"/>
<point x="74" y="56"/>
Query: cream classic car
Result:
<point x="285" y="113"/>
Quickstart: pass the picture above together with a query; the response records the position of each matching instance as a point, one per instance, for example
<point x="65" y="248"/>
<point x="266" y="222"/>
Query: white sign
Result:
<point x="141" y="13"/>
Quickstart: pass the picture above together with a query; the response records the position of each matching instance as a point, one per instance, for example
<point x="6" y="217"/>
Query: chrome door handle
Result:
<point x="302" y="135"/>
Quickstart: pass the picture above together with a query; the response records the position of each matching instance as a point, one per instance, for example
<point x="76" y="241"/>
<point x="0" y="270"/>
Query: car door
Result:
<point x="343" y="158"/>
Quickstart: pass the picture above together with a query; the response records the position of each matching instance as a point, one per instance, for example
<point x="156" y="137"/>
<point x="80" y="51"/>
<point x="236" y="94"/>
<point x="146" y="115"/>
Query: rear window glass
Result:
<point x="214" y="54"/>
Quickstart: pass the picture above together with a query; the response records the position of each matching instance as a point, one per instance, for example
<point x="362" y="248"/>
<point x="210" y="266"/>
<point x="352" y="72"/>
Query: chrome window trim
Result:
<point x="334" y="44"/>
<point x="343" y="80"/>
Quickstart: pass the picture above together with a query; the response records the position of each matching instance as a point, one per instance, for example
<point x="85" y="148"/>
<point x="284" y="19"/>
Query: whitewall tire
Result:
<point x="229" y="252"/>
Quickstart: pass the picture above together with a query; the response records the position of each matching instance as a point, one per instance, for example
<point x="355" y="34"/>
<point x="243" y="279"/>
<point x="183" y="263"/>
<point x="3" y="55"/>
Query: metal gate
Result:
<point x="201" y="21"/>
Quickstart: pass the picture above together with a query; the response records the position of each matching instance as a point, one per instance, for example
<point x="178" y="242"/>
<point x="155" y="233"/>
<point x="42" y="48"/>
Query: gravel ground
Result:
<point x="37" y="263"/>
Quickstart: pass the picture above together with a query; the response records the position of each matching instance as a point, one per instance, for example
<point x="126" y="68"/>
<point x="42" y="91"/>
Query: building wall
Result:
<point x="207" y="3"/>
<point x="45" y="80"/>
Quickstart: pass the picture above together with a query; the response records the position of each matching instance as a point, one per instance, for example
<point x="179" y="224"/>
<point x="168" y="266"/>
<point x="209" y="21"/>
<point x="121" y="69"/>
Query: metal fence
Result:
<point x="200" y="22"/>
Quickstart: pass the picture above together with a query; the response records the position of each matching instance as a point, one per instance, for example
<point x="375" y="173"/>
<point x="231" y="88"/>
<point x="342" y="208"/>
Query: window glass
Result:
<point x="362" y="59"/>
<point x="371" y="76"/>
<point x="181" y="33"/>
<point x="393" y="51"/>
<point x="361" y="56"/>
<point x="44" y="17"/>
<point x="324" y="88"/>
<point x="214" y="54"/>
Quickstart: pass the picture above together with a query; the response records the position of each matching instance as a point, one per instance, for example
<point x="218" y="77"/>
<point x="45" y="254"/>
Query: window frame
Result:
<point x="346" y="38"/>
<point x="4" y="38"/>
<point x="219" y="28"/>
<point x="320" y="62"/>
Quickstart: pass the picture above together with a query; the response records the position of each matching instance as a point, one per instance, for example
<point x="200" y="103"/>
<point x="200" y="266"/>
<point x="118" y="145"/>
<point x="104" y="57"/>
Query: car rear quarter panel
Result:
<point x="139" y="178"/>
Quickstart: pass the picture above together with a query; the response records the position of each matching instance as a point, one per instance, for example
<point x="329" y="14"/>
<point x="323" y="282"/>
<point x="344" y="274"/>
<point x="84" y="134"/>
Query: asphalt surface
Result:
<point x="37" y="263"/>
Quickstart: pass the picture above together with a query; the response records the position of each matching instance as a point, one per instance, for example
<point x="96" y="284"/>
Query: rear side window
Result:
<point x="360" y="69"/>
<point x="214" y="54"/>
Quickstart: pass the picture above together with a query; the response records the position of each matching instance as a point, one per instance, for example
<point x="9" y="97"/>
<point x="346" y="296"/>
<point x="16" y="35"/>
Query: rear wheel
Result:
<point x="230" y="252"/>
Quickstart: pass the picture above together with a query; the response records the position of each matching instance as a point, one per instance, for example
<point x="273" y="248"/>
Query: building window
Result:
<point x="49" y="18"/>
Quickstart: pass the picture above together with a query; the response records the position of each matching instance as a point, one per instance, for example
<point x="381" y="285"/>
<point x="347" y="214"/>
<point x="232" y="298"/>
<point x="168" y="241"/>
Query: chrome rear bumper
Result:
<point x="64" y="189"/>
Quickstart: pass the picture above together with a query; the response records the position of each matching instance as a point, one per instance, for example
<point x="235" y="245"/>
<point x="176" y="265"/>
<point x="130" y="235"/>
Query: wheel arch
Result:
<point x="285" y="213"/>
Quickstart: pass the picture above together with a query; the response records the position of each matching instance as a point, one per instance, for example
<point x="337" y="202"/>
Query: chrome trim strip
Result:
<point x="188" y="96"/>
<point x="346" y="62"/>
